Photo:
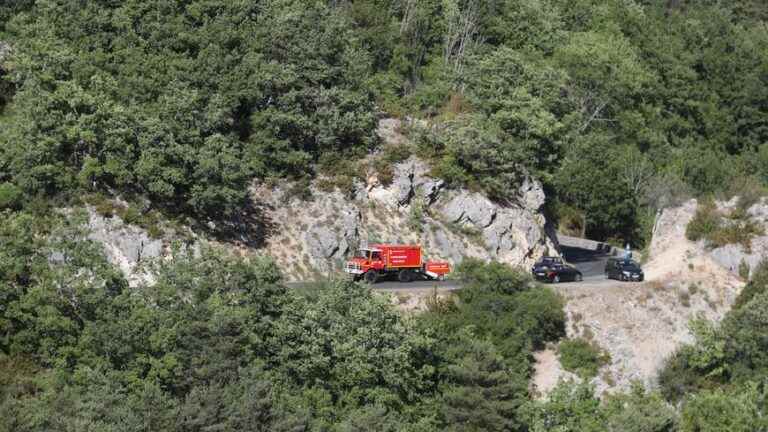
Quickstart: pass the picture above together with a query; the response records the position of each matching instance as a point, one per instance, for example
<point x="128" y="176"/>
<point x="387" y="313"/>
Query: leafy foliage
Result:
<point x="608" y="103"/>
<point x="581" y="357"/>
<point x="218" y="342"/>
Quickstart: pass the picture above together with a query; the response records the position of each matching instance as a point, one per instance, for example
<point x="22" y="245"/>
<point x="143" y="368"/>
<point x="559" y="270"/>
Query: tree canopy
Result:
<point x="186" y="102"/>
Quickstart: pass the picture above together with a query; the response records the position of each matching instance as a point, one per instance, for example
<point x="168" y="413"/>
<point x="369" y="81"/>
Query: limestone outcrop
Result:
<point x="314" y="235"/>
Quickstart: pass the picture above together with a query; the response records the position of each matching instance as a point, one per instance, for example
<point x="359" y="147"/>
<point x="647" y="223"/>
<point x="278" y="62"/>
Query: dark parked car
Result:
<point x="558" y="273"/>
<point x="546" y="263"/>
<point x="623" y="269"/>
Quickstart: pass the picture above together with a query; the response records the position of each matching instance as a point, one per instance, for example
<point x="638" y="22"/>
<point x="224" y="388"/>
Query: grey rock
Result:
<point x="411" y="180"/>
<point x="337" y="230"/>
<point x="759" y="211"/>
<point x="730" y="256"/>
<point x="531" y="194"/>
<point x="450" y="248"/>
<point x="388" y="130"/>
<point x="124" y="243"/>
<point x="56" y="257"/>
<point x="323" y="242"/>
<point x="125" y="246"/>
<point x="470" y="208"/>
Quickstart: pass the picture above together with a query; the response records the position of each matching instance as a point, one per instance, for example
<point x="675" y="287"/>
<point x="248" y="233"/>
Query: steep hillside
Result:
<point x="641" y="325"/>
<point x="310" y="235"/>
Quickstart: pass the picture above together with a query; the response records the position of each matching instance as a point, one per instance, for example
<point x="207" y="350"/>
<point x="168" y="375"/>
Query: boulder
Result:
<point x="389" y="130"/>
<point x="323" y="242"/>
<point x="469" y="208"/>
<point x="531" y="194"/>
<point x="758" y="212"/>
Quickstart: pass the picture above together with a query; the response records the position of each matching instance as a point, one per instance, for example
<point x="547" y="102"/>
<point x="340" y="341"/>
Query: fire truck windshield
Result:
<point x="362" y="253"/>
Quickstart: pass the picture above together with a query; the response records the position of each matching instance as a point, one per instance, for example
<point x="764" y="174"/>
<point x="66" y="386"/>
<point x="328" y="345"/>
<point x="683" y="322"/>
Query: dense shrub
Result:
<point x="706" y="221"/>
<point x="756" y="286"/>
<point x="10" y="196"/>
<point x="480" y="276"/>
<point x="581" y="357"/>
<point x="744" y="269"/>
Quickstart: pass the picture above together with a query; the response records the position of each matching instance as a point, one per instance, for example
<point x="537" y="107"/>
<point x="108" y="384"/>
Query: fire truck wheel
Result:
<point x="405" y="276"/>
<point x="371" y="277"/>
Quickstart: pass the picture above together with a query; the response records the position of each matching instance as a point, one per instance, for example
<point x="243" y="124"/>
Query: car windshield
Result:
<point x="628" y="263"/>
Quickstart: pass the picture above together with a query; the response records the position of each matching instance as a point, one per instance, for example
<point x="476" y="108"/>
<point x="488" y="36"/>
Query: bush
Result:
<point x="494" y="277"/>
<point x="685" y="298"/>
<point x="757" y="285"/>
<point x="704" y="223"/>
<point x="10" y="196"/>
<point x="416" y="215"/>
<point x="736" y="232"/>
<point x="581" y="357"/>
<point x="678" y="378"/>
<point x="571" y="221"/>
<point x="743" y="269"/>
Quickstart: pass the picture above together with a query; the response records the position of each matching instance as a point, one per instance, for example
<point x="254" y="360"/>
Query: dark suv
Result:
<point x="545" y="264"/>
<point x="623" y="269"/>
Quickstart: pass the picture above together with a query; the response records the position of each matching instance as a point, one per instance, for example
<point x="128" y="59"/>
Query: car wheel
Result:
<point x="556" y="279"/>
<point x="578" y="278"/>
<point x="371" y="277"/>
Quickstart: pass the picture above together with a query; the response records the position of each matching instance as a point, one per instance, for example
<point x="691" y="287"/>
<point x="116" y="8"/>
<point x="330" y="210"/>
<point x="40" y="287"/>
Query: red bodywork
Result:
<point x="387" y="258"/>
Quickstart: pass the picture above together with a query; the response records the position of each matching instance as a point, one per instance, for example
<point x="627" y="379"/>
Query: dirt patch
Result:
<point x="548" y="372"/>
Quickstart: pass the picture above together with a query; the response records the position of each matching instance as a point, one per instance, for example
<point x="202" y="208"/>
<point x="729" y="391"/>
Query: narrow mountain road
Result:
<point x="590" y="262"/>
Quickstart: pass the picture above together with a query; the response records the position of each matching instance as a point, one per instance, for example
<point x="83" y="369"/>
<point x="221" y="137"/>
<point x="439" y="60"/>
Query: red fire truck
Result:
<point x="379" y="260"/>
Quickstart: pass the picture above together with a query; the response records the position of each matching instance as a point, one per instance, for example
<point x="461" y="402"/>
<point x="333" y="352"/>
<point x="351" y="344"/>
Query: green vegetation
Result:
<point x="620" y="108"/>
<point x="219" y="343"/>
<point x="744" y="269"/>
<point x="582" y="357"/>
<point x="572" y="407"/>
<point x="725" y="356"/>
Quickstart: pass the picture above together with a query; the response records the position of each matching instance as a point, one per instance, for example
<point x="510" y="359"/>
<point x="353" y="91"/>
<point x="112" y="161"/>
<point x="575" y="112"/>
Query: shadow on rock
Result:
<point x="251" y="227"/>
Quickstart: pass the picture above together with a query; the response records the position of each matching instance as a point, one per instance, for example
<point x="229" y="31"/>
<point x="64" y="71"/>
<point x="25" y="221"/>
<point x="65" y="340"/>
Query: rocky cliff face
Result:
<point x="731" y="256"/>
<point x="311" y="238"/>
<point x="125" y="246"/>
<point x="317" y="235"/>
<point x="306" y="236"/>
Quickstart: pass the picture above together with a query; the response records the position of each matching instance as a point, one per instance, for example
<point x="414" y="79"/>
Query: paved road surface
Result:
<point x="591" y="264"/>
